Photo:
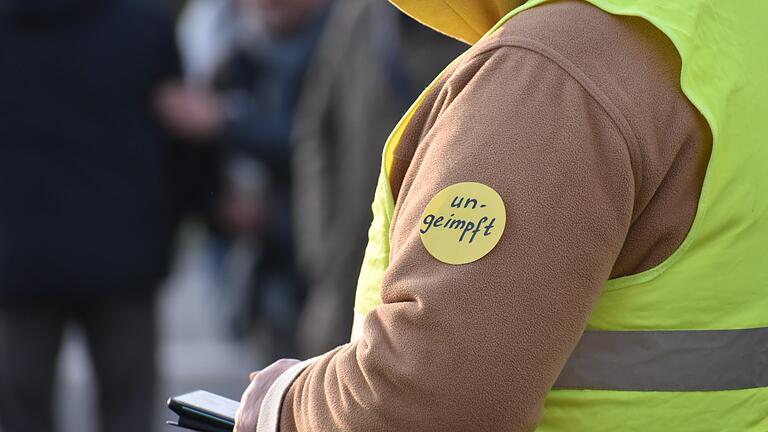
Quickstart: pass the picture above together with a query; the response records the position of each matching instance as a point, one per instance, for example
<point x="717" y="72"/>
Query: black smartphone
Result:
<point x="204" y="411"/>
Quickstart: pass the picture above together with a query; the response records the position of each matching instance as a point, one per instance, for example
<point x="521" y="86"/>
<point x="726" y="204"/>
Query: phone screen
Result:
<point x="205" y="404"/>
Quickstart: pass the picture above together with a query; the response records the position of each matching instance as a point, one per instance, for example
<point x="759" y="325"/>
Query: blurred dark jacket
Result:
<point x="88" y="201"/>
<point x="372" y="62"/>
<point x="260" y="82"/>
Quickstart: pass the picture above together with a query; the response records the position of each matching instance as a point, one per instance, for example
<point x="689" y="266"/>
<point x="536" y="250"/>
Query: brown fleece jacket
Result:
<point x="576" y="118"/>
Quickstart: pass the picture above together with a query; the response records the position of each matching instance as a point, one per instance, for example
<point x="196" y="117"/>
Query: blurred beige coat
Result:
<point x="353" y="96"/>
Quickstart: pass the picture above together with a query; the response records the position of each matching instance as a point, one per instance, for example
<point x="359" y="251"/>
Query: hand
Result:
<point x="192" y="112"/>
<point x="248" y="414"/>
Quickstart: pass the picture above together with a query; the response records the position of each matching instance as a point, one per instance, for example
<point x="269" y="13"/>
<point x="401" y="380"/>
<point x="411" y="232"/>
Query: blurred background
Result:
<point x="185" y="192"/>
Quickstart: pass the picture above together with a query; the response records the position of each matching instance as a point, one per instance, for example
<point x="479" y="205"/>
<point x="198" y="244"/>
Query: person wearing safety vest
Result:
<point x="569" y="232"/>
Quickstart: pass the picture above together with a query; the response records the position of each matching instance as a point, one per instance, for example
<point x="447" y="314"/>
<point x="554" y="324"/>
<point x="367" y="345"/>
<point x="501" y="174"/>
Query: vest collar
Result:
<point x="466" y="20"/>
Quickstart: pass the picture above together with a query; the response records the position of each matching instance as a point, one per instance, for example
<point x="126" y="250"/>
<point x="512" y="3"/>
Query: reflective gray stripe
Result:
<point x="690" y="360"/>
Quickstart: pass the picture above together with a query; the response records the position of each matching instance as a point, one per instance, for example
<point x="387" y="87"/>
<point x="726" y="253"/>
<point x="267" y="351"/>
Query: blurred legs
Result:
<point x="122" y="340"/>
<point x="30" y="337"/>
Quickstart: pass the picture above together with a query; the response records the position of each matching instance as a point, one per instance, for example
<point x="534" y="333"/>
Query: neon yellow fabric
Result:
<point x="614" y="411"/>
<point x="718" y="278"/>
<point x="467" y="20"/>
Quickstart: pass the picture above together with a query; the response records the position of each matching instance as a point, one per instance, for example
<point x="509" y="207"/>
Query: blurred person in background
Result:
<point x="89" y="200"/>
<point x="205" y="34"/>
<point x="371" y="63"/>
<point x="247" y="114"/>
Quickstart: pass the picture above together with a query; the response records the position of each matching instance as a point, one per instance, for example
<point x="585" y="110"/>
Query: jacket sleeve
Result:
<point x="479" y="345"/>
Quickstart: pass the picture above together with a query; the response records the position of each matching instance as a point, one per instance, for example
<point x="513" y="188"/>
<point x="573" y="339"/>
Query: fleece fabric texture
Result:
<point x="576" y="118"/>
<point x="369" y="52"/>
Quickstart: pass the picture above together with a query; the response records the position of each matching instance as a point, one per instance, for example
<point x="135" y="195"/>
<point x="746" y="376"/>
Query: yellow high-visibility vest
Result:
<point x="682" y="346"/>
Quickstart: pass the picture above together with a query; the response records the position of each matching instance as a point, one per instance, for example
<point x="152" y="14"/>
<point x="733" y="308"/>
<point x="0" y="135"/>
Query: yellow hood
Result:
<point x="466" y="20"/>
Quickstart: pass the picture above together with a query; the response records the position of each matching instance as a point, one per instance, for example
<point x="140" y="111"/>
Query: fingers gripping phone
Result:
<point x="204" y="411"/>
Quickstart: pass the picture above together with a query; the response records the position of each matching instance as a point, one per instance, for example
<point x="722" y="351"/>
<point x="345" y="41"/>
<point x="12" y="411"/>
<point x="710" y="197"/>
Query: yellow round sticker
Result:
<point x="463" y="222"/>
